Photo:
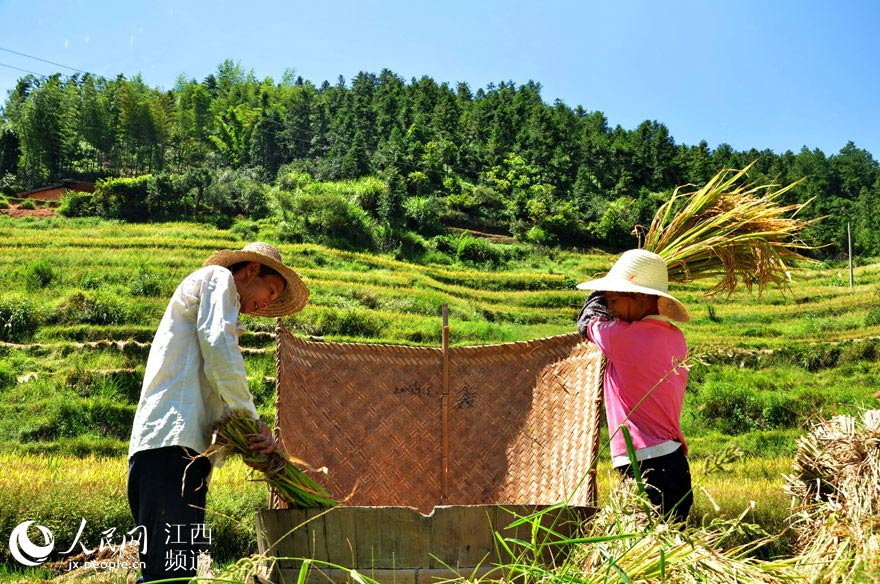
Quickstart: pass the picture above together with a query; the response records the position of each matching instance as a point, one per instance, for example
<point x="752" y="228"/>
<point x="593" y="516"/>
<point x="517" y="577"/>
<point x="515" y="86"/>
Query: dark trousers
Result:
<point x="667" y="482"/>
<point x="167" y="488"/>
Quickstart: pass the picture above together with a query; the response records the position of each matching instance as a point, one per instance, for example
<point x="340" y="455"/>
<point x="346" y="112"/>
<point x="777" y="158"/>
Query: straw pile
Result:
<point x="627" y="545"/>
<point x="729" y="229"/>
<point x="835" y="488"/>
<point x="281" y="471"/>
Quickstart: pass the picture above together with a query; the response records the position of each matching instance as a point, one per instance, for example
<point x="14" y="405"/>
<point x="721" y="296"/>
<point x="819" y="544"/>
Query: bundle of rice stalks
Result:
<point x="729" y="229"/>
<point x="281" y="471"/>
<point x="835" y="488"/>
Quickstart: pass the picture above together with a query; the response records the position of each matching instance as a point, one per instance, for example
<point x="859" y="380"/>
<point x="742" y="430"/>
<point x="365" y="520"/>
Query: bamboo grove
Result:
<point x="496" y="159"/>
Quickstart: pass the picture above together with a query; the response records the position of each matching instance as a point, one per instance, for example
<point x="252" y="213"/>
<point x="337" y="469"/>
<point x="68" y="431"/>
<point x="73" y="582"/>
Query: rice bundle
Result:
<point x="729" y="229"/>
<point x="282" y="472"/>
<point x="835" y="488"/>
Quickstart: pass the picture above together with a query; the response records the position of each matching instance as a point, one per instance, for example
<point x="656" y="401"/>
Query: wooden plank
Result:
<point x="461" y="536"/>
<point x="317" y="533"/>
<point x="278" y="537"/>
<point x="341" y="536"/>
<point x="262" y="543"/>
<point x="298" y="533"/>
<point x="390" y="538"/>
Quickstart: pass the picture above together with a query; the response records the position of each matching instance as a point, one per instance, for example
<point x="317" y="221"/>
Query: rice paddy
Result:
<point x="75" y="345"/>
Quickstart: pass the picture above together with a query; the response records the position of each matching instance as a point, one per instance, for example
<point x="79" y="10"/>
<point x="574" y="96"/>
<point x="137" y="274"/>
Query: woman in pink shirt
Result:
<point x="628" y="316"/>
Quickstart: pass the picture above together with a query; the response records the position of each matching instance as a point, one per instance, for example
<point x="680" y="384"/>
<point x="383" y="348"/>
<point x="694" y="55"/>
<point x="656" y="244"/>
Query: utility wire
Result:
<point x="43" y="60"/>
<point x="23" y="70"/>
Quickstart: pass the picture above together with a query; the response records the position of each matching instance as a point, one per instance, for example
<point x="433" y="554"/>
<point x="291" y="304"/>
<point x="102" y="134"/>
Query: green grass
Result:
<point x="63" y="490"/>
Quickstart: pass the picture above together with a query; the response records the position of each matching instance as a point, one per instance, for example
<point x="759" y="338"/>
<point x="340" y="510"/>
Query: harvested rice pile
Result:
<point x="835" y="488"/>
<point x="628" y="546"/>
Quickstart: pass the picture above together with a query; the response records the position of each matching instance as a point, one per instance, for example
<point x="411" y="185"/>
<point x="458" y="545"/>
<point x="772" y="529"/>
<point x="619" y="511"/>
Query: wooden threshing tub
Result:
<point x="434" y="449"/>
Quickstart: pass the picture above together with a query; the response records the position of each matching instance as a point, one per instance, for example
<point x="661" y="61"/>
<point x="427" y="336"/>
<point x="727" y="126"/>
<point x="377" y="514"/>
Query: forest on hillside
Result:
<point x="412" y="156"/>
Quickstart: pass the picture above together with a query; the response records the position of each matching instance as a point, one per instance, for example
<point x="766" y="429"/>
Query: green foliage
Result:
<point x="537" y="236"/>
<point x="410" y="246"/>
<point x="76" y="204"/>
<point x="616" y="223"/>
<point x="423" y="214"/>
<point x="769" y="443"/>
<point x="736" y="401"/>
<point x="732" y="410"/>
<point x="873" y="316"/>
<point x="67" y="418"/>
<point x="351" y="323"/>
<point x="236" y="192"/>
<point x="146" y="283"/>
<point x="291" y="178"/>
<point x="18" y="318"/>
<point x="93" y="307"/>
<point x="325" y="218"/>
<point x="115" y="385"/>
<point x="369" y="193"/>
<point x="8" y="375"/>
<point x="38" y="274"/>
<point x="499" y="159"/>
<point x="477" y="251"/>
<point x="29" y="204"/>
<point x="125" y="198"/>
<point x="246" y="230"/>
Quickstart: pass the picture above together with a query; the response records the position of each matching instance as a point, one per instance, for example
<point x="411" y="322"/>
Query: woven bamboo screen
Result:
<point x="518" y="424"/>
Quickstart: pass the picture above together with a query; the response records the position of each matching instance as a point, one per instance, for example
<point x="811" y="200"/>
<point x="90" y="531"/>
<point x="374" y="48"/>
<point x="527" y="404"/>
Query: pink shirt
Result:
<point x="642" y="355"/>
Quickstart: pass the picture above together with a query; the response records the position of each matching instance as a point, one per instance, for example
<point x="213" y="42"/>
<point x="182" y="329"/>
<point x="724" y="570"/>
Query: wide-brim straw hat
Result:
<point x="295" y="294"/>
<point x="639" y="270"/>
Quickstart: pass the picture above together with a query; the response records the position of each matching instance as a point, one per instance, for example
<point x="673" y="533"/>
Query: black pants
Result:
<point x="166" y="494"/>
<point x="668" y="483"/>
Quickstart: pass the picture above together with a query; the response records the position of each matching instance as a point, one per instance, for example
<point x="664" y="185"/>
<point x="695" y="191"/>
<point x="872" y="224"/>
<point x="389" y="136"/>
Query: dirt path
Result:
<point x="15" y="211"/>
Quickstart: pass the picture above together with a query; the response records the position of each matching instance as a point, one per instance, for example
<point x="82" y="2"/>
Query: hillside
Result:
<point x="81" y="299"/>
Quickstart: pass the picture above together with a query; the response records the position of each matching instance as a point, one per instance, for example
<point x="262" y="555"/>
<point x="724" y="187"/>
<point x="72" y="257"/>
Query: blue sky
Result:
<point x="752" y="73"/>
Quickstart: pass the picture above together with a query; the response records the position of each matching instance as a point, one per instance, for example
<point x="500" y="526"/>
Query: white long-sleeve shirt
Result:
<point x="195" y="367"/>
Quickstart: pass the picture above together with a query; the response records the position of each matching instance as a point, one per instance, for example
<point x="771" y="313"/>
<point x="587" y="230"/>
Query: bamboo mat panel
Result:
<point x="523" y="420"/>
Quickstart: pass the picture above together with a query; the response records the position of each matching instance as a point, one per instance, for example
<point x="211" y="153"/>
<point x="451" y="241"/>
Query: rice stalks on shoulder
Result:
<point x="730" y="229"/>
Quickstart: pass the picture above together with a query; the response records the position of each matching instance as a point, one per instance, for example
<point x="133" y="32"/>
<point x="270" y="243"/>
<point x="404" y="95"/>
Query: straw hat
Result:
<point x="295" y="294"/>
<point x="639" y="270"/>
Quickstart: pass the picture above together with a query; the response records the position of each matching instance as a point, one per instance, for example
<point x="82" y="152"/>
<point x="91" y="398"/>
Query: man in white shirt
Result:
<point x="194" y="373"/>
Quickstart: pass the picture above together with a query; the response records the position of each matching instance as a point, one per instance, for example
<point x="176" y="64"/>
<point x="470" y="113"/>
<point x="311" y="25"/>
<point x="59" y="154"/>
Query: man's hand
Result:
<point x="264" y="442"/>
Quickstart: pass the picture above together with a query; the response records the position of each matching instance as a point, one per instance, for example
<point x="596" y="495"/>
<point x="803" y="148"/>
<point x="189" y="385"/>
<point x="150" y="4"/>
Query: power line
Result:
<point x="23" y="70"/>
<point x="43" y="60"/>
